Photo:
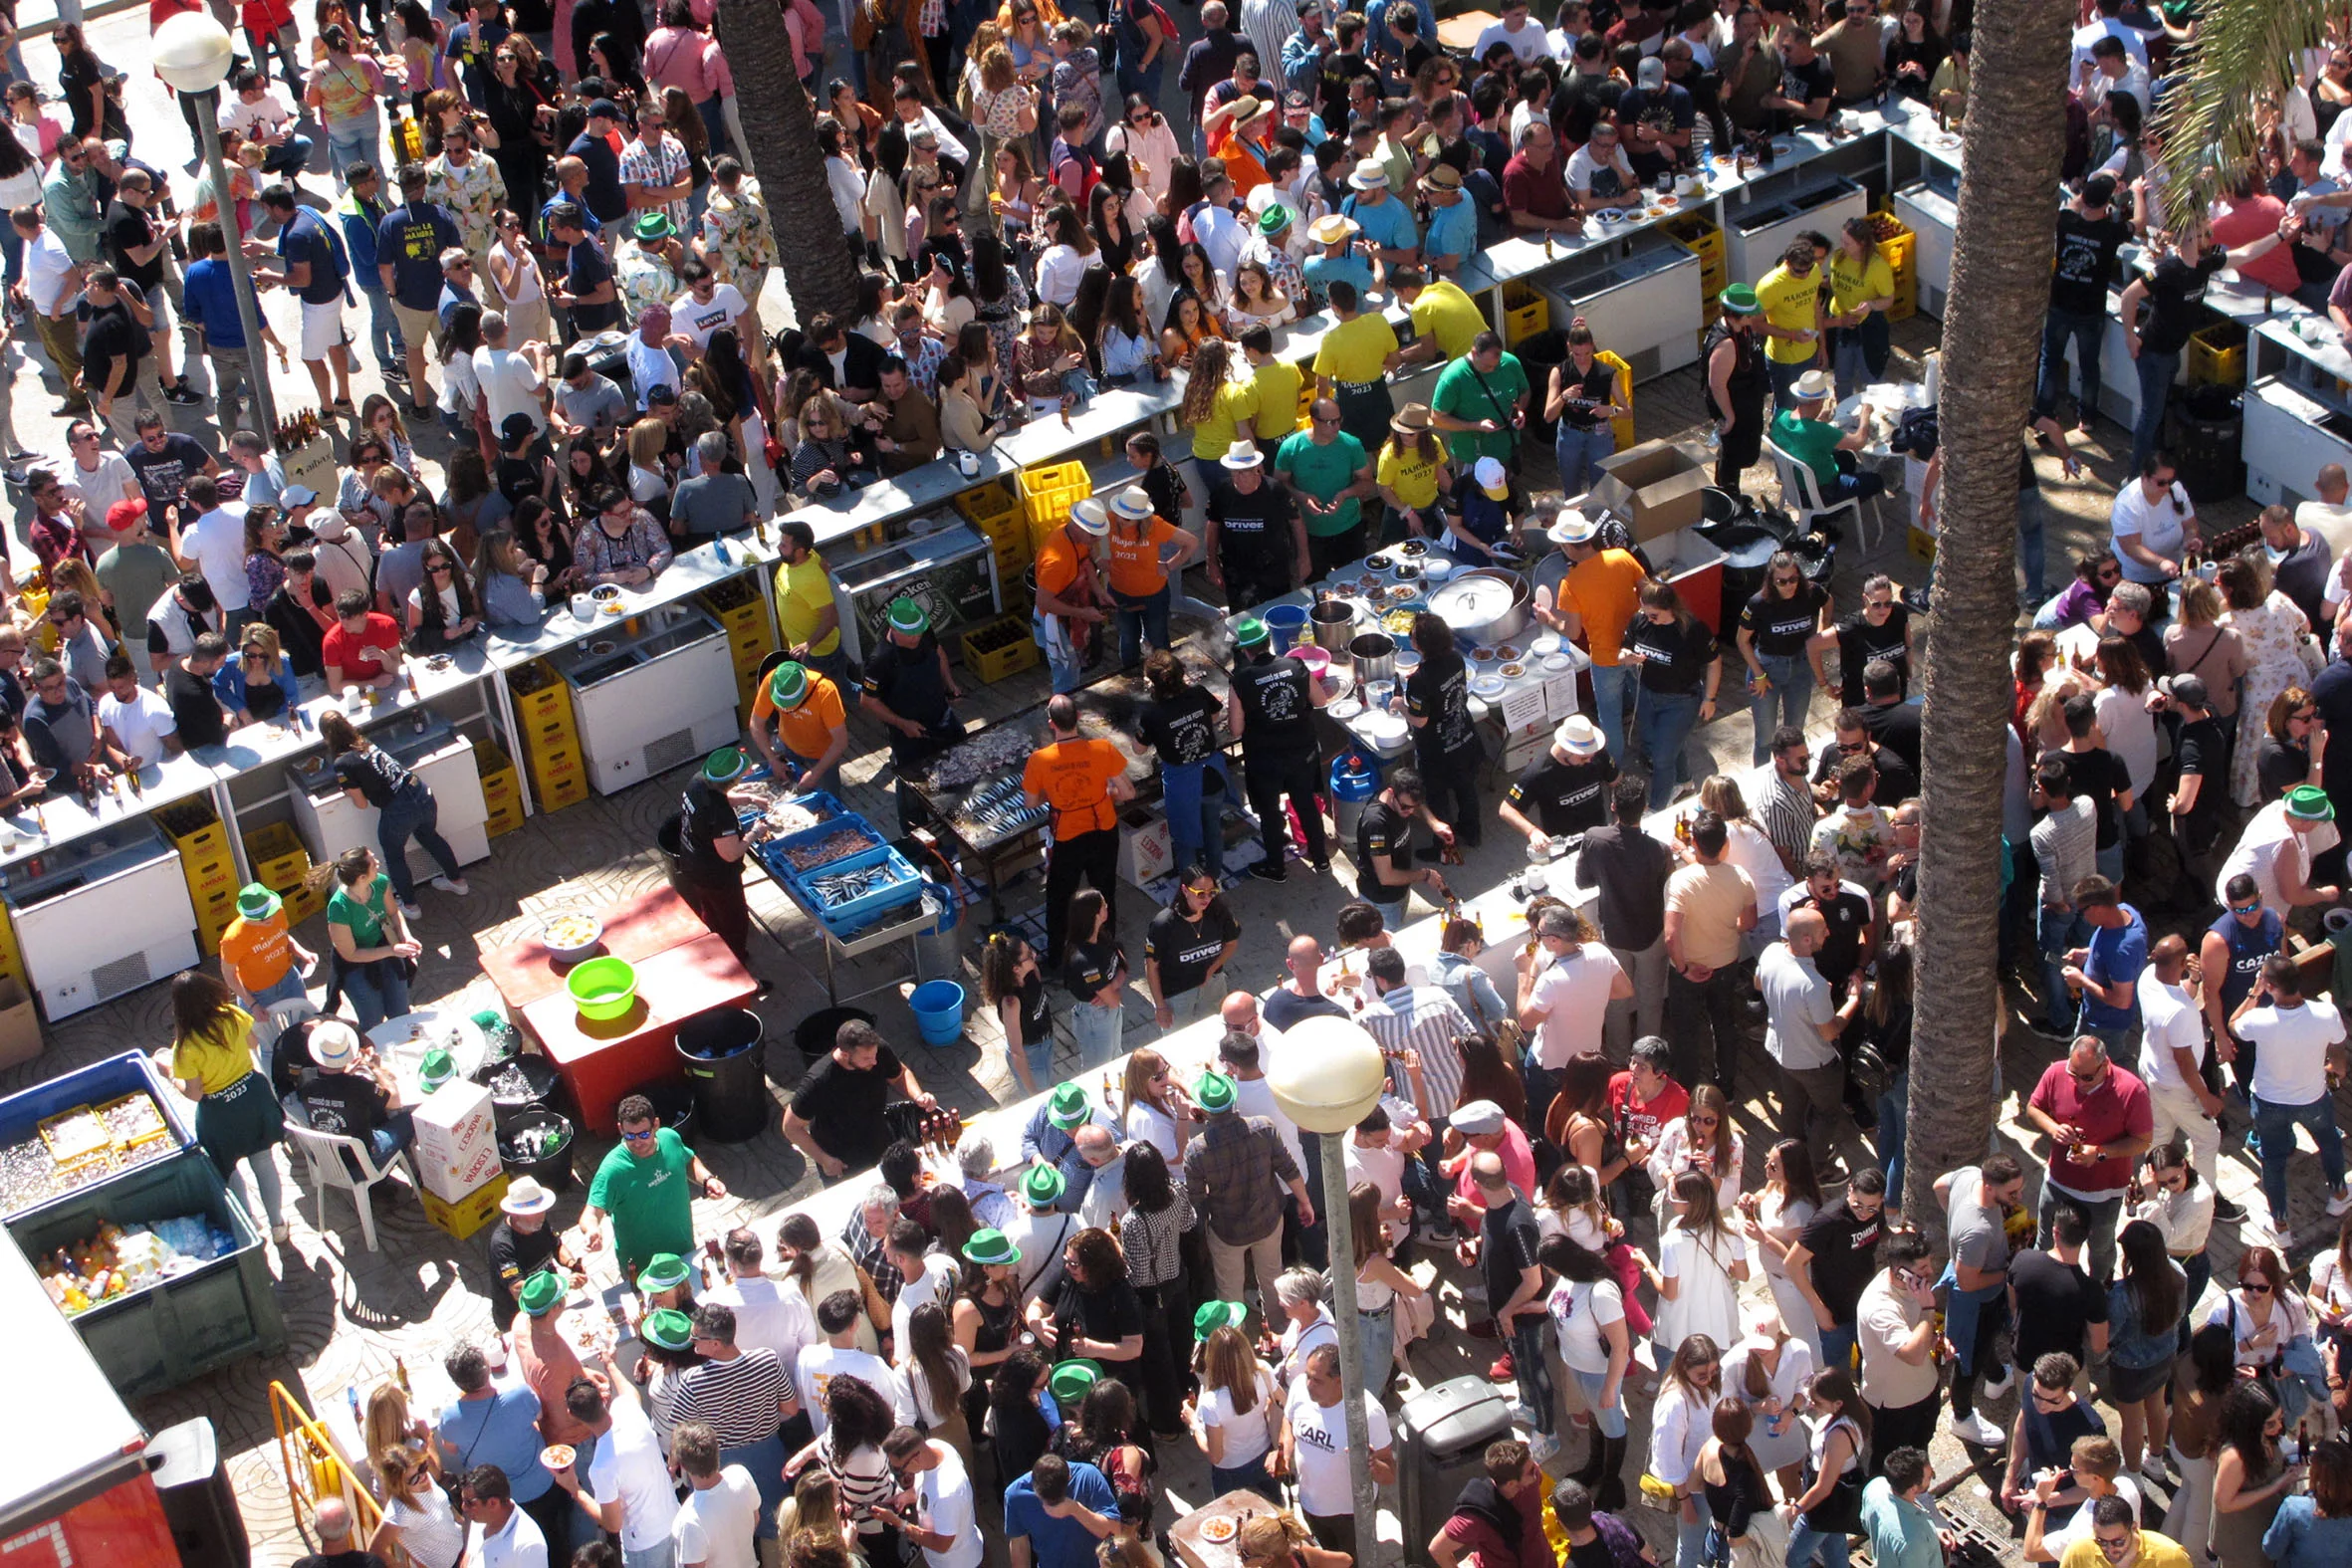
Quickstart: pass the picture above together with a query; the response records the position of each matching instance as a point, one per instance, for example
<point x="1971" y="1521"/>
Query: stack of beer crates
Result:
<point x="551" y="736"/>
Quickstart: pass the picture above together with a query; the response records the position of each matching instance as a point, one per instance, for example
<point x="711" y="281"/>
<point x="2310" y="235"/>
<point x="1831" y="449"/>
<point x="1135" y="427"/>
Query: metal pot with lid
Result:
<point x="1485" y="604"/>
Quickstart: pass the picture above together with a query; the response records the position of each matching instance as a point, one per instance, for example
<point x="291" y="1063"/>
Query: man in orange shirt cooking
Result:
<point x="811" y="726"/>
<point x="1084" y="781"/>
<point x="1596" y="598"/>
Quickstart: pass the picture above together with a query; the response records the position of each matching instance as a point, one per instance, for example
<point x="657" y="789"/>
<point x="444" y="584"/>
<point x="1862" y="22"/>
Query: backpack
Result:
<point x="1086" y="161"/>
<point x="1917" y="434"/>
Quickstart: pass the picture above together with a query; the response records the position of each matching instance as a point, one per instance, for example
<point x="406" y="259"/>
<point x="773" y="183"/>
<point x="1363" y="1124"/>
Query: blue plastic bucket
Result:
<point x="1288" y="623"/>
<point x="938" y="1006"/>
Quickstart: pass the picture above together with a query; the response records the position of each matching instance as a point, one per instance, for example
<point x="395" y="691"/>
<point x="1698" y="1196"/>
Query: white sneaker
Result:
<point x="1522" y="1414"/>
<point x="411" y="911"/>
<point x="1541" y="1447"/>
<point x="2152" y="1466"/>
<point x="1995" y="1388"/>
<point x="1977" y="1431"/>
<point x="454" y="886"/>
<point x="2339" y="1201"/>
<point x="281" y="1233"/>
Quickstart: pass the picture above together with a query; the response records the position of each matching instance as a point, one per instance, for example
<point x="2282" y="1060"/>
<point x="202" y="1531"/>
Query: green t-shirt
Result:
<point x="652" y="1201"/>
<point x="1322" y="472"/>
<point x="1812" y="442"/>
<point x="366" y="916"/>
<point x="1460" y="394"/>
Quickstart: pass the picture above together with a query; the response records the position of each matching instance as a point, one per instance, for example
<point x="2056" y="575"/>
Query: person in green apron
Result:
<point x="237" y="1118"/>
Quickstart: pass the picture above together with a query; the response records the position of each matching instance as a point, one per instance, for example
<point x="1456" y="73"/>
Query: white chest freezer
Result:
<point x="650" y="699"/>
<point x="1931" y="216"/>
<point x="1645" y="307"/>
<point x="102" y="915"/>
<point x="330" y="821"/>
<point x="1756" y="237"/>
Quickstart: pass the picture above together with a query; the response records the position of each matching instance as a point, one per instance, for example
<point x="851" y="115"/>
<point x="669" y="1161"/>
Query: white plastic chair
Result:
<point x="1800" y="493"/>
<point x="324" y="1154"/>
<point x="275" y="1020"/>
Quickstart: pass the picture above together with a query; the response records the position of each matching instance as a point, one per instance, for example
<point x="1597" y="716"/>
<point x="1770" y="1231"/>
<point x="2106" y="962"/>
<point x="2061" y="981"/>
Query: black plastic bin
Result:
<point x="2207" y="428"/>
<point x="546" y="1087"/>
<point x="814" y="1035"/>
<point x="551" y="1169"/>
<point x="727" y="1071"/>
<point x="674" y="1104"/>
<point x="1536" y="357"/>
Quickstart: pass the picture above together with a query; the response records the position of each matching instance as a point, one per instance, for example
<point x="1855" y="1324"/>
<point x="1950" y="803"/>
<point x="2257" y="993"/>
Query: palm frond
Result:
<point x="2244" y="50"/>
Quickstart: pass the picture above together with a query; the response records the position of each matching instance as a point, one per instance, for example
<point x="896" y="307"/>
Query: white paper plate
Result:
<point x="1344" y="709"/>
<point x="1545" y="646"/>
<point x="1488" y="686"/>
<point x="1557" y="662"/>
<point x="1382" y="727"/>
<point x="1610" y="215"/>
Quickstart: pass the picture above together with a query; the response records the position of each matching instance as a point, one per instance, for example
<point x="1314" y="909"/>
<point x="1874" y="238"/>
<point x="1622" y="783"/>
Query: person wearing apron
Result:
<point x="237" y="1118"/>
<point x="709" y="874"/>
<point x="908" y="688"/>
<point x="1180" y="723"/>
<point x="1272" y="711"/>
<point x="811" y="729"/>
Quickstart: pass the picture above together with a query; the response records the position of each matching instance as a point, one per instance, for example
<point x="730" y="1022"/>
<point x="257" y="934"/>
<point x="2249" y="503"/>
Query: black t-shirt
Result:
<point x="1284" y="1007"/>
<point x="1630" y="868"/>
<point x="1848" y="914"/>
<point x="2203" y="754"/>
<point x="193" y="708"/>
<point x="1112" y="1313"/>
<point x="706" y="816"/>
<point x="1253" y="531"/>
<point x="1037" y="1019"/>
<point x="1895" y="727"/>
<point x="1858" y="642"/>
<point x="162" y="475"/>
<point x="2099" y="776"/>
<point x="375" y="773"/>
<point x="1844" y="1255"/>
<point x="1382" y="829"/>
<point x="1184" y="948"/>
<point x="1809" y="82"/>
<point x="908" y="681"/>
<point x="2278" y="767"/>
<point x="347" y="1104"/>
<point x="1439" y="691"/>
<point x="1897" y="782"/>
<point x="1564" y="797"/>
<point x="1779" y="627"/>
<point x="113" y="336"/>
<point x="1277" y="712"/>
<point x="79" y="76"/>
<point x="844" y="1107"/>
<point x="585" y="269"/>
<point x="1675" y="656"/>
<point x="2056" y="1304"/>
<point x="1340" y="67"/>
<point x="1088" y="968"/>
<point x="2086" y="262"/>
<point x="1580" y="104"/>
<point x="1182" y="728"/>
<point x="515" y="1257"/>
<point x="129" y="228"/>
<point x="1667" y="109"/>
<point x="2301" y="574"/>
<point x="1509" y="1238"/>
<point x="1595" y="389"/>
<point x="2173" y="292"/>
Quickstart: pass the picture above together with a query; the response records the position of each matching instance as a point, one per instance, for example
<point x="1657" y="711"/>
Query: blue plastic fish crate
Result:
<point x="778" y="855"/>
<point x="815" y="799"/>
<point x="843" y="919"/>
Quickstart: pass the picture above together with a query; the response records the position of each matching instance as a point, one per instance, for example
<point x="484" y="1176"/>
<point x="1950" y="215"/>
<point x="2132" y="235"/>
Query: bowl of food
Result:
<point x="1413" y="547"/>
<point x="1221" y="1529"/>
<point x="557" y="1456"/>
<point x="1609" y="215"/>
<point x="602" y="987"/>
<point x="1408" y="573"/>
<point x="569" y="938"/>
<point x="606" y="593"/>
<point x="1512" y="671"/>
<point x="1484" y="656"/>
<point x="1670" y="201"/>
<point x="1506" y="652"/>
<point x="1379" y="562"/>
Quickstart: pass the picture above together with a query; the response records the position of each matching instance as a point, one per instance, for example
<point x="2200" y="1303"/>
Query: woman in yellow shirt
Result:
<point x="237" y="1118"/>
<point x="1215" y="407"/>
<point x="1412" y="474"/>
<point x="1862" y="287"/>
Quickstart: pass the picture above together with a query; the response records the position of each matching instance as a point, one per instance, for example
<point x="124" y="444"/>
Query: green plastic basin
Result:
<point x="602" y="987"/>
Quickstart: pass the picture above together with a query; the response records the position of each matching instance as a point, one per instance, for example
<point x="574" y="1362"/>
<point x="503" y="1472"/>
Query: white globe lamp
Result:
<point x="192" y="52"/>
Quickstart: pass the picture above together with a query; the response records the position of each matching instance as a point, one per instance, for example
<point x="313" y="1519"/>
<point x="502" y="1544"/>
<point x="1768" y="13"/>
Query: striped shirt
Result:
<point x="740" y="1398"/>
<point x="1784" y="809"/>
<point x="1149" y="1241"/>
<point x="873" y="1255"/>
<point x="1422" y="1018"/>
<point x="864" y="1478"/>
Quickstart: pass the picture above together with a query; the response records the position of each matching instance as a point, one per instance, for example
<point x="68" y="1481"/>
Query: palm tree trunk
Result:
<point x="2001" y="267"/>
<point x="780" y="125"/>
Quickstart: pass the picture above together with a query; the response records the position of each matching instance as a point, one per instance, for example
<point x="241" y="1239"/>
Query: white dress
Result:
<point x="1784" y="1223"/>
<point x="2274" y="638"/>
<point x="1773" y="1450"/>
<point x="1707" y="1300"/>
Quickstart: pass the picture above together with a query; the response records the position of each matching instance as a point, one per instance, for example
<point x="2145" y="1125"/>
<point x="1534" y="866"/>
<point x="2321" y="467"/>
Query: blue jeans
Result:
<point x="2056" y="932"/>
<point x="12" y="248"/>
<point x="2111" y="861"/>
<point x="661" y="1554"/>
<point x="2156" y="380"/>
<point x="289" y="157"/>
<point x="1377" y="1340"/>
<point x="349" y="144"/>
<point x="1608" y="697"/>
<point x="1038" y="1055"/>
<point x="1062" y="660"/>
<point x="397" y="1134"/>
<point x="1142" y="619"/>
<point x="2102" y="1213"/>
<point x="1894" y="1111"/>
<point x="1580" y="453"/>
<point x="1785" y="703"/>
<point x="1662" y="724"/>
<point x="714" y="124"/>
<point x="2085" y="332"/>
<point x="1610" y="1419"/>
<point x="1098" y="1032"/>
<point x="1196" y="817"/>
<point x="1785" y="379"/>
<point x="1529" y="1366"/>
<point x="1837" y="1347"/>
<point x="374" y="1003"/>
<point x="413" y="814"/>
<point x="1858" y="354"/>
<point x="1808" y="1546"/>
<point x="2031" y="518"/>
<point x="1541" y="1084"/>
<point x="765" y="1459"/>
<point x="288" y="989"/>
<point x="1225" y="1478"/>
<point x="1690" y="1535"/>
<point x="384" y="331"/>
<point x="2276" y="1125"/>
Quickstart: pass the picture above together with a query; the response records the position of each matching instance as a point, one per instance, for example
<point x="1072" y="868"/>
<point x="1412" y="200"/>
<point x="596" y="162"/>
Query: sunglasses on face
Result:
<point x="645" y="1136"/>
<point x="2257" y="1287"/>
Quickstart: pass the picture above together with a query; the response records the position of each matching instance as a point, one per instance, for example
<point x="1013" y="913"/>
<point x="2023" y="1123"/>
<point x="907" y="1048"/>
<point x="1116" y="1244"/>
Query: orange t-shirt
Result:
<point x="807" y="729"/>
<point x="1073" y="776"/>
<point x="1605" y="590"/>
<point x="1057" y="565"/>
<point x="1135" y="563"/>
<point x="259" y="950"/>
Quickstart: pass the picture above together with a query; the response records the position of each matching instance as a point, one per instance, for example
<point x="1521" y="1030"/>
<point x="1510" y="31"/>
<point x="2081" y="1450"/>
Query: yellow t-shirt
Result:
<point x="1851" y="284"/>
<point x="807" y="729"/>
<point x="220" y="1056"/>
<point x="1406" y="472"/>
<point x="2156" y="1551"/>
<point x="1357" y="351"/>
<point x="1788" y="302"/>
<point x="1444" y="312"/>
<point x="802" y="593"/>
<point x="1235" y="401"/>
<point x="1276" y="383"/>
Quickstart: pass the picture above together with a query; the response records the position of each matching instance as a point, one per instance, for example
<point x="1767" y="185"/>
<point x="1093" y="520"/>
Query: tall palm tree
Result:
<point x="780" y="125"/>
<point x="2242" y="59"/>
<point x="2013" y="139"/>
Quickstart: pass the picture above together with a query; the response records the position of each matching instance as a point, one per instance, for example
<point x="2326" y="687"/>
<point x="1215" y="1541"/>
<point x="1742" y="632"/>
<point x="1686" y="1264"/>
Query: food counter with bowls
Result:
<point x="652" y="690"/>
<point x="429" y="746"/>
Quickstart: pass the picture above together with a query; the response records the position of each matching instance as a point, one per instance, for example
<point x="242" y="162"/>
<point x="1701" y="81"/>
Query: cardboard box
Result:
<point x="1654" y="486"/>
<point x="465" y="1215"/>
<point x="456" y="1141"/>
<point x="20" y="1024"/>
<point x="1146" y="849"/>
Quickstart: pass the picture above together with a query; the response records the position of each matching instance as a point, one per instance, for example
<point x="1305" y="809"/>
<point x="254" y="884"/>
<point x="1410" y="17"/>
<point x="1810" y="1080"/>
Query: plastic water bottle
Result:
<point x="720" y="550"/>
<point x="1707" y="160"/>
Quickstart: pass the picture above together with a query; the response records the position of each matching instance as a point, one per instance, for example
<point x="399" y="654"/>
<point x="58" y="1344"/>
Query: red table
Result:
<point x="682" y="970"/>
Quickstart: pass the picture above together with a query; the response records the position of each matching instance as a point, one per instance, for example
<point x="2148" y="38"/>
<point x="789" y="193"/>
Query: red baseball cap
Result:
<point x="123" y="515"/>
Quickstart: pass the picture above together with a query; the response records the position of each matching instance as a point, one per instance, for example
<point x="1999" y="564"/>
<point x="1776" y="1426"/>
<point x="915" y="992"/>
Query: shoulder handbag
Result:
<point x="1507" y="1034"/>
<point x="1502" y="416"/>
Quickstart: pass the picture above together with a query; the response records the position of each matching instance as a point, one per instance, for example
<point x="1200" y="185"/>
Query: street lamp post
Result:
<point x="192" y="52"/>
<point x="1326" y="1077"/>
